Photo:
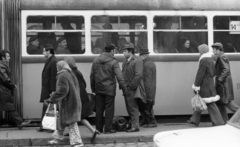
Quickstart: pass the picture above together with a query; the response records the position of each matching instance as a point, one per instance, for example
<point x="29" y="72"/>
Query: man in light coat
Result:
<point x="132" y="69"/>
<point x="223" y="79"/>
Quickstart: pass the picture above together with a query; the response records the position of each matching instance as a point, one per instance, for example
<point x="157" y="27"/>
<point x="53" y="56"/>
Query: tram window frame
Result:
<point x="129" y="34"/>
<point x="176" y="32"/>
<point x="57" y="29"/>
<point x="223" y="33"/>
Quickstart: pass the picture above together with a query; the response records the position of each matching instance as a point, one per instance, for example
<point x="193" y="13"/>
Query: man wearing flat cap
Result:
<point x="223" y="79"/>
<point x="132" y="69"/>
<point x="149" y="80"/>
<point x="33" y="48"/>
<point x="105" y="70"/>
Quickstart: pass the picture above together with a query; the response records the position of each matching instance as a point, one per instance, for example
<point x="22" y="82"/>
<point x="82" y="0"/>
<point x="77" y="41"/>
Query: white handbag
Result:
<point x="50" y="118"/>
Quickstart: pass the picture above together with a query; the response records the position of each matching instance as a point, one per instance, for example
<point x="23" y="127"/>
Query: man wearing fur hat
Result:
<point x="105" y="70"/>
<point x="204" y="85"/>
<point x="132" y="69"/>
<point x="149" y="79"/>
<point x="223" y="79"/>
<point x="33" y="47"/>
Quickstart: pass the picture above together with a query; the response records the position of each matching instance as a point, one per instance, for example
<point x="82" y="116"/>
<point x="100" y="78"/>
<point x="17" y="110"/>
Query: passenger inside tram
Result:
<point x="73" y="38"/>
<point x="62" y="46"/>
<point x="185" y="46"/>
<point x="121" y="43"/>
<point x="33" y="46"/>
<point x="98" y="47"/>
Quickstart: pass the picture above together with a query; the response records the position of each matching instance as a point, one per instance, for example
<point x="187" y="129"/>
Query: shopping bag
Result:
<point x="198" y="104"/>
<point x="50" y="118"/>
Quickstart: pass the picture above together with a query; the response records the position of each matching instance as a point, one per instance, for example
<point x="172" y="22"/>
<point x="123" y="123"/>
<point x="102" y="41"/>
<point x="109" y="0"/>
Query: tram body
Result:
<point x="154" y="21"/>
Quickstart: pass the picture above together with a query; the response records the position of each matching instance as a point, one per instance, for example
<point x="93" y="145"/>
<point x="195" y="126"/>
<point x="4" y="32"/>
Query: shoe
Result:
<point x="40" y="129"/>
<point x="193" y="123"/>
<point x="109" y="132"/>
<point x="54" y="141"/>
<point x="57" y="136"/>
<point x="133" y="130"/>
<point x="66" y="134"/>
<point x="49" y="131"/>
<point x="142" y="123"/>
<point x="150" y="126"/>
<point x="94" y="135"/>
<point x="23" y="124"/>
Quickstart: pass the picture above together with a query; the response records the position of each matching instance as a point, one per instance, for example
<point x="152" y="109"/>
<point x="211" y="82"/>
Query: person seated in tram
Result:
<point x="98" y="47"/>
<point x="33" y="47"/>
<point x="185" y="46"/>
<point x="62" y="46"/>
<point x="121" y="43"/>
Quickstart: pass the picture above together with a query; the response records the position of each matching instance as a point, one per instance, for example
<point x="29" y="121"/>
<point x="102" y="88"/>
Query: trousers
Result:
<point x="223" y="109"/>
<point x="146" y="110"/>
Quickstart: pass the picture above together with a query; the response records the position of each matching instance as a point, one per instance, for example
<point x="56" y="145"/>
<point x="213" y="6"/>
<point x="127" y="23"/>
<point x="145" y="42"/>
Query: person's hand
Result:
<point x="47" y="101"/>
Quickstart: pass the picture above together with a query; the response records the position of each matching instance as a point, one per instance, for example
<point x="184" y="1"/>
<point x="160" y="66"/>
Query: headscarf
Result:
<point x="62" y="65"/>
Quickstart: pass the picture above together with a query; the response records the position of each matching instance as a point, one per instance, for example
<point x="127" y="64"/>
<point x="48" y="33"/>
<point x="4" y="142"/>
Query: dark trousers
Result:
<point x="16" y="117"/>
<point x="214" y="113"/>
<point x="223" y="109"/>
<point x="104" y="103"/>
<point x="132" y="108"/>
<point x="146" y="110"/>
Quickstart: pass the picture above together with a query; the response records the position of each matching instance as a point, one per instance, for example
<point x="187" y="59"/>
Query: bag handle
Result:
<point x="54" y="109"/>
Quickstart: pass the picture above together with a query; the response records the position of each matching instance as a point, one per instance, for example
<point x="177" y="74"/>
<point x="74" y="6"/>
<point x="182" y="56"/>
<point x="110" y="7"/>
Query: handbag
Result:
<point x="119" y="123"/>
<point x="50" y="118"/>
<point x="92" y="98"/>
<point x="198" y="104"/>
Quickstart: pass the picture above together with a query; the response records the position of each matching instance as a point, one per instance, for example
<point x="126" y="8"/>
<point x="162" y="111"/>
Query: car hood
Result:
<point x="220" y="136"/>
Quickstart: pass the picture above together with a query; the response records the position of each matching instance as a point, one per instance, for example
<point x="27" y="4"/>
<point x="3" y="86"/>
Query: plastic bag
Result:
<point x="50" y="118"/>
<point x="198" y="104"/>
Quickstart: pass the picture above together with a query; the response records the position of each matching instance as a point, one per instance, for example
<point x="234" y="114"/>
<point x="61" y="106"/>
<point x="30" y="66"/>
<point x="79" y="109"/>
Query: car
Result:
<point x="216" y="136"/>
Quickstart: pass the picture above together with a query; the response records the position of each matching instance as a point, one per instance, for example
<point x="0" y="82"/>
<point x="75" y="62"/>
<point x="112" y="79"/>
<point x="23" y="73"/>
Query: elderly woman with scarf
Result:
<point x="86" y="104"/>
<point x="204" y="84"/>
<point x="67" y="96"/>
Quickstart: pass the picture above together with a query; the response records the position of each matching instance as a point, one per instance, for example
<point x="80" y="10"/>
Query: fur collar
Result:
<point x="206" y="55"/>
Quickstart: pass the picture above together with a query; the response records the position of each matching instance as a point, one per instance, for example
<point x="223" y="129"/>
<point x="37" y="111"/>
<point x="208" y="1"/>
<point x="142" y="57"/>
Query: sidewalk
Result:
<point x="28" y="136"/>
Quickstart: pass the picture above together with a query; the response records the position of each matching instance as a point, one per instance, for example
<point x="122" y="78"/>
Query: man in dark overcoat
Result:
<point x="132" y="69"/>
<point x="49" y="74"/>
<point x="104" y="73"/>
<point x="6" y="90"/>
<point x="223" y="79"/>
<point x="149" y="79"/>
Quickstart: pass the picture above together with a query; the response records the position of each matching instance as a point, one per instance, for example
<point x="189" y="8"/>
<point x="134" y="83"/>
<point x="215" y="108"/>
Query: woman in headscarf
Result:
<point x="86" y="105"/>
<point x="67" y="96"/>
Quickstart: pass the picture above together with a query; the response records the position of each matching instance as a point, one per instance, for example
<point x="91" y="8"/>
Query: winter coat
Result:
<point x="105" y="70"/>
<point x="86" y="104"/>
<point x="149" y="78"/>
<point x="6" y="88"/>
<point x="62" y="50"/>
<point x="204" y="78"/>
<point x="49" y="74"/>
<point x="132" y="72"/>
<point x="224" y="78"/>
<point x="31" y="49"/>
<point x="68" y="97"/>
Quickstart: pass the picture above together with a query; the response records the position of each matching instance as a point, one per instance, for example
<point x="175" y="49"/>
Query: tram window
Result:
<point x="67" y="38"/>
<point x="227" y="31"/>
<point x="118" y="30"/>
<point x="179" y="34"/>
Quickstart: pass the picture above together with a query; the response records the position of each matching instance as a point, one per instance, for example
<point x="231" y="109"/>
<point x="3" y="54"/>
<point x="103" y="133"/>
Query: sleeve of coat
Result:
<point x="225" y="68"/>
<point x="53" y="75"/>
<point x="62" y="89"/>
<point x="150" y="81"/>
<point x="201" y="72"/>
<point x="119" y="76"/>
<point x="6" y="80"/>
<point x="138" y="74"/>
<point x="92" y="79"/>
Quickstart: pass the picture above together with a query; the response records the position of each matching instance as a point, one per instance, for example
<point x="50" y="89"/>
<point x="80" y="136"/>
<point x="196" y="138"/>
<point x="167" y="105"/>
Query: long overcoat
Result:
<point x="149" y="78"/>
<point x="6" y="88"/>
<point x="49" y="74"/>
<point x="68" y="97"/>
<point x="224" y="78"/>
<point x="204" y="77"/>
<point x="86" y="104"/>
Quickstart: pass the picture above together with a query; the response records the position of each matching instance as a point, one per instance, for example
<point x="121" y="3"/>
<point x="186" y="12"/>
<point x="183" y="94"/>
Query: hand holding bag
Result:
<point x="50" y="118"/>
<point x="198" y="104"/>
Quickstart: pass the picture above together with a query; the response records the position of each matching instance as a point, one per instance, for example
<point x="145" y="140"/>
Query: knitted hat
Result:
<point x="203" y="48"/>
<point x="33" y="38"/>
<point x="109" y="46"/>
<point x="61" y="39"/>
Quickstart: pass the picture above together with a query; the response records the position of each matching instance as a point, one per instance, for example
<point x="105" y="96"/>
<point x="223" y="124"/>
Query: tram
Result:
<point x="164" y="27"/>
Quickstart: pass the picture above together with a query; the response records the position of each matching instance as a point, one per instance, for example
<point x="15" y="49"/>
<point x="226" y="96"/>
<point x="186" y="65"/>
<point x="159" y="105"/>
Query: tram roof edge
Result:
<point x="129" y="5"/>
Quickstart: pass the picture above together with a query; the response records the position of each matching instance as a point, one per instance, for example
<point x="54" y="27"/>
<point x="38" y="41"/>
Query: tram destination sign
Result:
<point x="234" y="27"/>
